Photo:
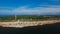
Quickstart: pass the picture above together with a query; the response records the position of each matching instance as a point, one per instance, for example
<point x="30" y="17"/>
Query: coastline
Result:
<point x="27" y="23"/>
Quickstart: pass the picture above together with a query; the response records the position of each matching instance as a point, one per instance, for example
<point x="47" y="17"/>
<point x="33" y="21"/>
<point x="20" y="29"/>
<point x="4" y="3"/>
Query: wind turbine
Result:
<point x="15" y="16"/>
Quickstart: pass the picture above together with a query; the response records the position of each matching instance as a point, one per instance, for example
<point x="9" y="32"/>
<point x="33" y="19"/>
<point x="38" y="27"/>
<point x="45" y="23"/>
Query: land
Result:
<point x="29" y="20"/>
<point x="21" y="24"/>
<point x="44" y="29"/>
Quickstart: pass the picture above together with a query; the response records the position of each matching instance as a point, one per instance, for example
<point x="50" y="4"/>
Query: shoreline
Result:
<point x="27" y="23"/>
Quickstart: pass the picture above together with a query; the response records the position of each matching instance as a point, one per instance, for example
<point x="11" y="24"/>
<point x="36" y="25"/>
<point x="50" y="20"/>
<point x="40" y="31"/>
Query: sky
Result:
<point x="30" y="7"/>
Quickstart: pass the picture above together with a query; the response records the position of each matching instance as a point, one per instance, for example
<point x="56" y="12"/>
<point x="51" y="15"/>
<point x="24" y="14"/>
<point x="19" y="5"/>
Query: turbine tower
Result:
<point x="15" y="16"/>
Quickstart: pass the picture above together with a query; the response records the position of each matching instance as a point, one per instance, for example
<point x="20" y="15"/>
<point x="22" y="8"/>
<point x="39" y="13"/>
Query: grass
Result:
<point x="29" y="17"/>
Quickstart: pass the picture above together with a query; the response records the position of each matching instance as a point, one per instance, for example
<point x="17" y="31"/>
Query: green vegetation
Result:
<point x="29" y="17"/>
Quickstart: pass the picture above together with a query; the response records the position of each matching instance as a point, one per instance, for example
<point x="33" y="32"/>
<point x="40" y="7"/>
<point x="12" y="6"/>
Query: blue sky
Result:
<point x="30" y="7"/>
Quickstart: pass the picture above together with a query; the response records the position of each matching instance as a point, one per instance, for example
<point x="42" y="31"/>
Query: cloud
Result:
<point x="24" y="10"/>
<point x="51" y="6"/>
<point x="5" y="12"/>
<point x="54" y="0"/>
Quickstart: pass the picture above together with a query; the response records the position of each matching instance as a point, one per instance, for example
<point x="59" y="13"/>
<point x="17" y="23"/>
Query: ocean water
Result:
<point x="49" y="28"/>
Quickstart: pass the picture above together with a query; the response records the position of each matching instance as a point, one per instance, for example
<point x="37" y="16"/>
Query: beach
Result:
<point x="27" y="23"/>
